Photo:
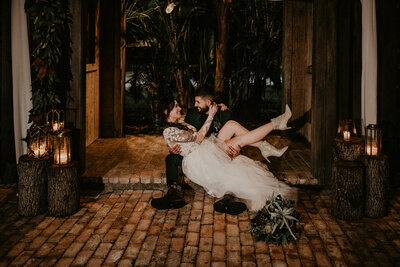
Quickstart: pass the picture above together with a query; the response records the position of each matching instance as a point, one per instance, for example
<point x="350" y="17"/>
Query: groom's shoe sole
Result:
<point x="164" y="204"/>
<point x="230" y="207"/>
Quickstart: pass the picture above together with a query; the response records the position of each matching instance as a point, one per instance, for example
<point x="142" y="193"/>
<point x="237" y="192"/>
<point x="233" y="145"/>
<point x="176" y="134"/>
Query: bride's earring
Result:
<point x="268" y="150"/>
<point x="280" y="122"/>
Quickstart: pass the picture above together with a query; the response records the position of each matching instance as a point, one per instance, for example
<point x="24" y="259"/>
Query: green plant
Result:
<point x="276" y="221"/>
<point x="50" y="53"/>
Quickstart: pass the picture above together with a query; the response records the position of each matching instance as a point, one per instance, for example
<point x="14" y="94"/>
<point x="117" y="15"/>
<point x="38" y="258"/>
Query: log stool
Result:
<point x="32" y="185"/>
<point x="376" y="185"/>
<point x="348" y="150"/>
<point x="63" y="189"/>
<point x="347" y="192"/>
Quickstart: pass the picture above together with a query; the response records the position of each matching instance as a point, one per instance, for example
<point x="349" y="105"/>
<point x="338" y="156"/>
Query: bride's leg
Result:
<point x="233" y="128"/>
<point x="252" y="137"/>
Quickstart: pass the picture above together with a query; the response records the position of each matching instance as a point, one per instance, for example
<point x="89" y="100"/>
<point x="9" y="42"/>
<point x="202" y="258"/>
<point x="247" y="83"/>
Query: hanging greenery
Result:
<point x="276" y="221"/>
<point x="50" y="45"/>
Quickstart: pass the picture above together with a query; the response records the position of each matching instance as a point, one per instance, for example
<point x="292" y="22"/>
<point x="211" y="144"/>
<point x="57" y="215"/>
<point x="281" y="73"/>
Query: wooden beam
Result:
<point x="7" y="147"/>
<point x="111" y="95"/>
<point x="324" y="117"/>
<point x="78" y="84"/>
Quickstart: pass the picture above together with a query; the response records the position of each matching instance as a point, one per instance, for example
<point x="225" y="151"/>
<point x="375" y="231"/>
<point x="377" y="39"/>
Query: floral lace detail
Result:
<point x="188" y="140"/>
<point x="185" y="139"/>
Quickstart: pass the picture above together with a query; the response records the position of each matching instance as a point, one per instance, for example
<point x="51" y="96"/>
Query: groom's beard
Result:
<point x="203" y="110"/>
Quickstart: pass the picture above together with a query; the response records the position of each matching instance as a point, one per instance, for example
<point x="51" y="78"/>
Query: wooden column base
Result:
<point x="376" y="185"/>
<point x="63" y="189"/>
<point x="348" y="150"/>
<point x="32" y="185"/>
<point x="347" y="192"/>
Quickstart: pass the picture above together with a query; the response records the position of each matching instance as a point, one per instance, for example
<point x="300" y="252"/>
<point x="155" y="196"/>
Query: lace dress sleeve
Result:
<point x="173" y="134"/>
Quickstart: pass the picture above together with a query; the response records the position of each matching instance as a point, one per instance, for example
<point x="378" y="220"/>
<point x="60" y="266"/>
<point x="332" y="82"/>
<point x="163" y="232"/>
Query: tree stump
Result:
<point x="348" y="150"/>
<point x="63" y="189"/>
<point x="347" y="192"/>
<point x="376" y="185"/>
<point x="32" y="185"/>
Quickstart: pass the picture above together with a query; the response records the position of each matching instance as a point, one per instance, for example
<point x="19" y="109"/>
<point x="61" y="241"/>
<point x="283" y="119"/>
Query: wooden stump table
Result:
<point x="32" y="185"/>
<point x="348" y="150"/>
<point x="376" y="185"/>
<point x="347" y="192"/>
<point x="63" y="189"/>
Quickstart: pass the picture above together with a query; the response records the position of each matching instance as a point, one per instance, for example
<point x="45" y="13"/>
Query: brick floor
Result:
<point x="121" y="228"/>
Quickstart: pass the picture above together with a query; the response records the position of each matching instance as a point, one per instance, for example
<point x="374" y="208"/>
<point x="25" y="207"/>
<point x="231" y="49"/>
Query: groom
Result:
<point x="196" y="117"/>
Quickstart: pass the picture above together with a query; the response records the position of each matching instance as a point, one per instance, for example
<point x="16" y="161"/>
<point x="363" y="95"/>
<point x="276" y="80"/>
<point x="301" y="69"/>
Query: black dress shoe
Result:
<point x="227" y="205"/>
<point x="172" y="200"/>
<point x="186" y="186"/>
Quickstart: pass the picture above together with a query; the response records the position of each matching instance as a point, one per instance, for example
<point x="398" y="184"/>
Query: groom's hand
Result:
<point x="176" y="149"/>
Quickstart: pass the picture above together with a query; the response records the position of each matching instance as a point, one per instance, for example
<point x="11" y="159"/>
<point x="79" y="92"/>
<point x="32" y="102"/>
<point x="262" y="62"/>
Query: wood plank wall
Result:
<point x="77" y="83"/>
<point x="324" y="117"/>
<point x="388" y="25"/>
<point x="92" y="86"/>
<point x="349" y="61"/>
<point x="111" y="95"/>
<point x="297" y="62"/>
<point x="7" y="150"/>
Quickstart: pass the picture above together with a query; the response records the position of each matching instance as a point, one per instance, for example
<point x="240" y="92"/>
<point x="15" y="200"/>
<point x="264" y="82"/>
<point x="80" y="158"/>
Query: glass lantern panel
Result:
<point x="373" y="143"/>
<point x="62" y="148"/>
<point x="38" y="142"/>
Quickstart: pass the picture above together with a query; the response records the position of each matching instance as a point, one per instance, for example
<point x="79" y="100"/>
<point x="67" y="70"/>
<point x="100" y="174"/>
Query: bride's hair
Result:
<point x="166" y="108"/>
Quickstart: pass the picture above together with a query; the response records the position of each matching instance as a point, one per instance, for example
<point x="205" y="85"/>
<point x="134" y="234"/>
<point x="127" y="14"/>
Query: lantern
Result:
<point x="62" y="147"/>
<point x="38" y="142"/>
<point x="55" y="120"/>
<point x="373" y="140"/>
<point x="346" y="130"/>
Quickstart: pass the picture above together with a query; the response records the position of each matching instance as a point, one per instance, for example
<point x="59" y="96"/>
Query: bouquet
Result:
<point x="276" y="221"/>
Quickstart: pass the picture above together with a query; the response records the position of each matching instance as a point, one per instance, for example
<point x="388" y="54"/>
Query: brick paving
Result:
<point x="122" y="229"/>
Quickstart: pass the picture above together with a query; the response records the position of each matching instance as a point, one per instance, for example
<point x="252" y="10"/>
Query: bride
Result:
<point x="206" y="163"/>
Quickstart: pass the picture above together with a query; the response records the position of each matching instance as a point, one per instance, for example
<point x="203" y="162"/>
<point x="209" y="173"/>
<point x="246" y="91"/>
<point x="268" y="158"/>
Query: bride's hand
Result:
<point x="213" y="110"/>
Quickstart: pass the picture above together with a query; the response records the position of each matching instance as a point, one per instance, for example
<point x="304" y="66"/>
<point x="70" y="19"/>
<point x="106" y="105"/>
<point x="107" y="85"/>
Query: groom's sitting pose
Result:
<point x="196" y="117"/>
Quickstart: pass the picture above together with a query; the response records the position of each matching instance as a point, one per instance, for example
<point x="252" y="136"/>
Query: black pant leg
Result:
<point x="172" y="162"/>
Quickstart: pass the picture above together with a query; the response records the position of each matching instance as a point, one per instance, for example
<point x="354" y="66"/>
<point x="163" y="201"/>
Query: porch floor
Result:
<point x="121" y="228"/>
<point x="138" y="161"/>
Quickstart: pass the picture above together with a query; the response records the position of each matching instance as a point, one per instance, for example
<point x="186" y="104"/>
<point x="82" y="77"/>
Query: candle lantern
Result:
<point x="38" y="142"/>
<point x="62" y="147"/>
<point x="346" y="130"/>
<point x="55" y="120"/>
<point x="373" y="140"/>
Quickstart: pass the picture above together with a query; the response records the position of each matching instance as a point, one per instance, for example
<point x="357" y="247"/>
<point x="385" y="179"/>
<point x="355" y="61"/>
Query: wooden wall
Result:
<point x="111" y="93"/>
<point x="297" y="61"/>
<point x="324" y="117"/>
<point x="77" y="84"/>
<point x="8" y="171"/>
<point x="92" y="73"/>
<point x="349" y="61"/>
<point x="388" y="25"/>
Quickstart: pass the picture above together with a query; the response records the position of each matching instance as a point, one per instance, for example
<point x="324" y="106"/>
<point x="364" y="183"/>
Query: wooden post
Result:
<point x="347" y="192"/>
<point x="63" y="189"/>
<point x="348" y="150"/>
<point x="32" y="185"/>
<point x="376" y="186"/>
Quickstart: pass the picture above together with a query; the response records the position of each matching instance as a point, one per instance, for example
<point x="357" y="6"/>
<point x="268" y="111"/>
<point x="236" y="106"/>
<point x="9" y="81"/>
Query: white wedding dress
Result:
<point x="207" y="164"/>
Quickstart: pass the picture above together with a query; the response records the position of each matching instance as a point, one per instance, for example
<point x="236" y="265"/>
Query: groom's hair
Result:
<point x="205" y="92"/>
